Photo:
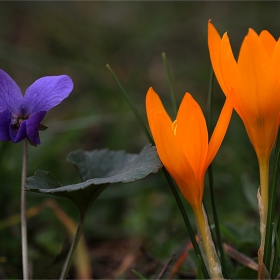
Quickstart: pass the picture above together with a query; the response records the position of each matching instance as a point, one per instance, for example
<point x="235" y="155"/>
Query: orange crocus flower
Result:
<point x="183" y="145"/>
<point x="184" y="150"/>
<point x="254" y="80"/>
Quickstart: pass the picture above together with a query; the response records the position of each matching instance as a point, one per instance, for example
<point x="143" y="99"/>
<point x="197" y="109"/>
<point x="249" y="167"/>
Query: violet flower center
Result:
<point x="17" y="121"/>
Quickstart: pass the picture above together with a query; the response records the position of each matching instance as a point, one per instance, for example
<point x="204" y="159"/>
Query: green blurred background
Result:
<point x="79" y="38"/>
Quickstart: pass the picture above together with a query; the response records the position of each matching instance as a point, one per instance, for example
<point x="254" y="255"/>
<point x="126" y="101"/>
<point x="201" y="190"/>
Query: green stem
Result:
<point x="23" y="212"/>
<point x="175" y="108"/>
<point x="271" y="206"/>
<point x="207" y="243"/>
<point x="133" y="108"/>
<point x="74" y="245"/>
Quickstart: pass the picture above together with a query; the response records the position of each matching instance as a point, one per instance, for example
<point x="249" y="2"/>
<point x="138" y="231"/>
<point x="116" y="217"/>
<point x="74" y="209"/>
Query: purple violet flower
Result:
<point x="21" y="116"/>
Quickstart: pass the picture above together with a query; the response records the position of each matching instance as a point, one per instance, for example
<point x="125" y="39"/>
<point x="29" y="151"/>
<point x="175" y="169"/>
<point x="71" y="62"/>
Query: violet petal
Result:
<point x="46" y="93"/>
<point x="32" y="127"/>
<point x="5" y="120"/>
<point x="18" y="134"/>
<point x="10" y="94"/>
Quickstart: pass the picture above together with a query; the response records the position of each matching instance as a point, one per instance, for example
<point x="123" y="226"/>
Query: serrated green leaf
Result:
<point x="114" y="166"/>
<point x="44" y="182"/>
<point x="100" y="163"/>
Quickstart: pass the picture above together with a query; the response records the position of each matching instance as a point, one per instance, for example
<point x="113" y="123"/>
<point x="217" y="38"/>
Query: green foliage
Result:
<point x="79" y="39"/>
<point x="98" y="169"/>
<point x="247" y="273"/>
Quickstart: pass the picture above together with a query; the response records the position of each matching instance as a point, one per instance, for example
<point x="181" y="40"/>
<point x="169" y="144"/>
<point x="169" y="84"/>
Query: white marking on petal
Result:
<point x="174" y="127"/>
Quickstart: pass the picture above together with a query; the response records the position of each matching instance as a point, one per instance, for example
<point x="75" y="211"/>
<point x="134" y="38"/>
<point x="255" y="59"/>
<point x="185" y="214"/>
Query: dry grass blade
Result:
<point x="239" y="257"/>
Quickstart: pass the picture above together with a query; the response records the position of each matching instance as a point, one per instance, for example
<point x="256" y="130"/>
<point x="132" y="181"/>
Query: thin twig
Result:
<point x="150" y="257"/>
<point x="165" y="268"/>
<point x="240" y="258"/>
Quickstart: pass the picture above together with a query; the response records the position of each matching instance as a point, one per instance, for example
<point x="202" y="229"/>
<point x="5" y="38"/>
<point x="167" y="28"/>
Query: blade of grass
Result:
<point x="168" y="177"/>
<point x="199" y="268"/>
<point x="175" y="108"/>
<point x="211" y="180"/>
<point x="275" y="265"/>
<point x="131" y="105"/>
<point x="229" y="236"/>
<point x="139" y="274"/>
<point x="271" y="205"/>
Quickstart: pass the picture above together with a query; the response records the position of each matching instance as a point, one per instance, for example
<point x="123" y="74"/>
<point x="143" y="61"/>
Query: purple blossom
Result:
<point x="21" y="116"/>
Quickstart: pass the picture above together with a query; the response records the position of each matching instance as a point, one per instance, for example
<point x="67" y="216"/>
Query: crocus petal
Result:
<point x="228" y="65"/>
<point x="174" y="160"/>
<point x="268" y="41"/>
<point x="32" y="127"/>
<point x="214" y="44"/>
<point x="46" y="93"/>
<point x="20" y="134"/>
<point x="154" y="104"/>
<point x="169" y="150"/>
<point x="220" y="130"/>
<point x="191" y="133"/>
<point x="10" y="94"/>
<point x="263" y="137"/>
<point x="257" y="91"/>
<point x="5" y="120"/>
<point x="223" y="61"/>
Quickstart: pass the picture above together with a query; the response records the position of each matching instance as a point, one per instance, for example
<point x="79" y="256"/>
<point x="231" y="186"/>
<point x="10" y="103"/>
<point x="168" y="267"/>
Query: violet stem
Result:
<point x="73" y="247"/>
<point x="23" y="212"/>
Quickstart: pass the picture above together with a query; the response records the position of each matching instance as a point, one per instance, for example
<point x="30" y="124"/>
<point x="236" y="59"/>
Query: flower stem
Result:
<point x="207" y="243"/>
<point x="187" y="221"/>
<point x="263" y="201"/>
<point x="264" y="181"/>
<point x="72" y="250"/>
<point x="23" y="212"/>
